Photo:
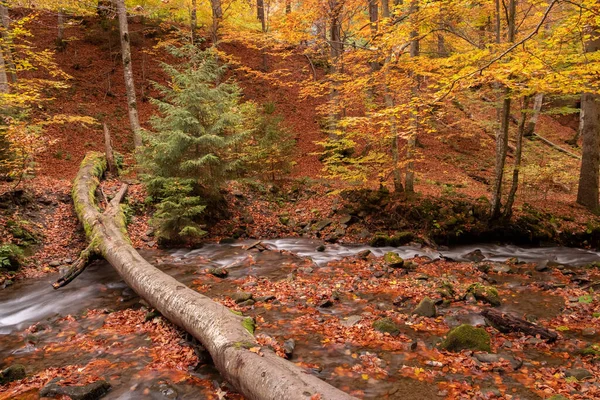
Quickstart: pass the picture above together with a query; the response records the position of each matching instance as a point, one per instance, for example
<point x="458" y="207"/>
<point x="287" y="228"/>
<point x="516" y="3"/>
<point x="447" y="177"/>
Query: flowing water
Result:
<point x="99" y="287"/>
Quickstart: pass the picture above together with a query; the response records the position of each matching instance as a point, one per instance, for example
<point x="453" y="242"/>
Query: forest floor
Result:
<point x="454" y="172"/>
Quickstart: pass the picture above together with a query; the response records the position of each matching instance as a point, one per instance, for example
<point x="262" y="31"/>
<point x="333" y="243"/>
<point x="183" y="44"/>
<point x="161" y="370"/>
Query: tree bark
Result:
<point x="517" y="167"/>
<point x="385" y="8"/>
<point x="7" y="43"/>
<point x="502" y="134"/>
<point x="587" y="192"/>
<point x="128" y="72"/>
<point x="412" y="139"/>
<point x="110" y="158"/>
<point x="221" y="332"/>
<point x="217" y="16"/>
<point x="537" y="109"/>
<point x="4" y="87"/>
<point x="194" y="21"/>
<point x="505" y="323"/>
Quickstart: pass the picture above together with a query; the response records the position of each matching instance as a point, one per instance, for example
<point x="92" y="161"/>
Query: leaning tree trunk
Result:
<point x="7" y="43"/>
<point x="225" y="335"/>
<point x="4" y="88"/>
<point x="128" y="71"/>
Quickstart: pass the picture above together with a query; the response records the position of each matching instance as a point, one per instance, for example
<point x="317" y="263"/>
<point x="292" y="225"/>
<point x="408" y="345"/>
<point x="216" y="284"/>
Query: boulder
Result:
<point x="578" y="373"/>
<point x="319" y="226"/>
<point x="386" y="325"/>
<point x="240" y="297"/>
<point x="15" y="372"/>
<point x="393" y="260"/>
<point x="91" y="391"/>
<point x="467" y="337"/>
<point x="218" y="272"/>
<point x="475" y="256"/>
<point x="487" y="294"/>
<point x="426" y="308"/>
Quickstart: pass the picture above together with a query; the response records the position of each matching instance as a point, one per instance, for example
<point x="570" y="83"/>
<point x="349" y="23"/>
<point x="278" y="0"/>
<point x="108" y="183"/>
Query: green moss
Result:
<point x="487" y="294"/>
<point x="593" y="350"/>
<point x="467" y="337"/>
<point x="236" y="312"/>
<point x="11" y="257"/>
<point x="393" y="260"/>
<point x="386" y="325"/>
<point x="249" y="325"/>
<point x="244" y="345"/>
<point x="399" y="239"/>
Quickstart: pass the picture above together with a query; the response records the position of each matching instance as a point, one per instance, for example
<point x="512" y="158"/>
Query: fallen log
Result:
<point x="506" y="323"/>
<point x="227" y="336"/>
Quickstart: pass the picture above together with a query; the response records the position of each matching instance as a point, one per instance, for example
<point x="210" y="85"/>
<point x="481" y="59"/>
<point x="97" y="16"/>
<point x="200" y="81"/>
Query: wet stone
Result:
<point x="163" y="391"/>
<point x="92" y="391"/>
<point x="426" y="308"/>
<point x="218" y="272"/>
<point x="364" y="254"/>
<point x="475" y="256"/>
<point x="15" y="372"/>
<point x="386" y="325"/>
<point x="247" y="303"/>
<point x="240" y="297"/>
<point x="288" y="347"/>
<point x="502" y="268"/>
<point x="351" y="321"/>
<point x="55" y="263"/>
<point x="588" y="332"/>
<point x="578" y="373"/>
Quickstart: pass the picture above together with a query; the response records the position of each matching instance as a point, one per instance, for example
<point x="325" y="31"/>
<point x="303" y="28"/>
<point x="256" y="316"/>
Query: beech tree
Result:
<point x="587" y="193"/>
<point x="128" y="74"/>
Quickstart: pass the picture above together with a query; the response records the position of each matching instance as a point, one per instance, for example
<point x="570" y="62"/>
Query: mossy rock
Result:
<point x="487" y="294"/>
<point x="593" y="350"/>
<point x="386" y="325"/>
<point x="399" y="239"/>
<point x="240" y="297"/>
<point x="249" y="324"/>
<point x="393" y="260"/>
<point x="446" y="290"/>
<point x="11" y="257"/>
<point x="467" y="337"/>
<point x="426" y="308"/>
<point x="15" y="372"/>
<point x="20" y="231"/>
<point x="218" y="272"/>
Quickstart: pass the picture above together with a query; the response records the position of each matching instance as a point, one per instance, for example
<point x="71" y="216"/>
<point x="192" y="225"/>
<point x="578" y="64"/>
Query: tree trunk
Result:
<point x="389" y="103"/>
<point x="262" y="17"/>
<point x="4" y="88"/>
<point x="7" y="43"/>
<point x="502" y="134"/>
<point x="336" y="49"/>
<point x="587" y="192"/>
<point x="288" y="6"/>
<point x="224" y="334"/>
<point x="194" y="21"/>
<point x="110" y="157"/>
<point x="537" y="109"/>
<point x="373" y="16"/>
<point x="128" y="72"/>
<point x="385" y="8"/>
<point x="412" y="139"/>
<point x="217" y="16"/>
<point x="506" y="323"/>
<point x="517" y="167"/>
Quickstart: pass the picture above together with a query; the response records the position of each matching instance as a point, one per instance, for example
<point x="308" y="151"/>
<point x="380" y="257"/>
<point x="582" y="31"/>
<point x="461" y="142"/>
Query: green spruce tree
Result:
<point x="188" y="155"/>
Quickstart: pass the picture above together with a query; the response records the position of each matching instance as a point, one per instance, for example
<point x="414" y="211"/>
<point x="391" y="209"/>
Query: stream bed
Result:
<point x="298" y="282"/>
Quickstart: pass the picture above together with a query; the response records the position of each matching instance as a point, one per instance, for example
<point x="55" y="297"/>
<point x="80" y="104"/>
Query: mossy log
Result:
<point x="223" y="333"/>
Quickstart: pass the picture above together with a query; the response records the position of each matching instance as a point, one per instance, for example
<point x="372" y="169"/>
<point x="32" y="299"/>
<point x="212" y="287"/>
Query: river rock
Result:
<point x="240" y="297"/>
<point x="467" y="337"/>
<point x="393" y="260"/>
<point x="247" y="303"/>
<point x="288" y="347"/>
<point x="386" y="325"/>
<point x="166" y="391"/>
<point x="351" y="321"/>
<point x="475" y="256"/>
<point x="321" y="248"/>
<point x="426" y="308"/>
<point x="55" y="263"/>
<point x="218" y="272"/>
<point x="364" y="254"/>
<point x="588" y="332"/>
<point x="487" y="294"/>
<point x="542" y="266"/>
<point x="15" y="372"/>
<point x="319" y="226"/>
<point x="578" y="373"/>
<point x="501" y="268"/>
<point x="92" y="391"/>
